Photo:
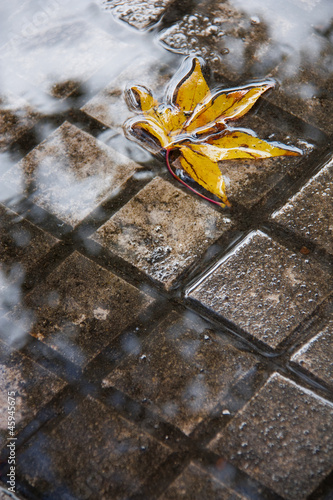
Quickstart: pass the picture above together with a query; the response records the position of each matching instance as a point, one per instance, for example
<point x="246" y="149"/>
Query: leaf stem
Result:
<point x="220" y="204"/>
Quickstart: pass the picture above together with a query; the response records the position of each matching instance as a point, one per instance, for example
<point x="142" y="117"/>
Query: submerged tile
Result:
<point x="248" y="181"/>
<point x="310" y="212"/>
<point x="69" y="174"/>
<point x="16" y="118"/>
<point x="140" y="14"/>
<point x="196" y="484"/>
<point x="59" y="57"/>
<point x="316" y="355"/>
<point x="109" y="106"/>
<point x="82" y="307"/>
<point x="282" y="438"/>
<point x="183" y="371"/>
<point x="114" y="456"/>
<point x="22" y="244"/>
<point x="32" y="384"/>
<point x="264" y="288"/>
<point x="162" y="231"/>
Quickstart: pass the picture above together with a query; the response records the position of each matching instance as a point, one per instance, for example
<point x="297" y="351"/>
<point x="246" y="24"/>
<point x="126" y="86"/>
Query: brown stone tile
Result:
<point x="33" y="385"/>
<point x="249" y="181"/>
<point x="310" y="212"/>
<point x="60" y="55"/>
<point x="140" y="14"/>
<point x="162" y="231"/>
<point x="109" y="106"/>
<point x="16" y="118"/>
<point x="264" y="288"/>
<point x="282" y="438"/>
<point x="81" y="307"/>
<point x="306" y="84"/>
<point x="22" y="244"/>
<point x="316" y="355"/>
<point x="182" y="372"/>
<point x="114" y="457"/>
<point x="197" y="484"/>
<point x="69" y="174"/>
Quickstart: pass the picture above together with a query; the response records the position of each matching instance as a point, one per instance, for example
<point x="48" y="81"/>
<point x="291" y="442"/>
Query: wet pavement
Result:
<point x="153" y="345"/>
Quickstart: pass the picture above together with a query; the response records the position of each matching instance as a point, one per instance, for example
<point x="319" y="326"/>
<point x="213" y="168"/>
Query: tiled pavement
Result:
<point x="159" y="347"/>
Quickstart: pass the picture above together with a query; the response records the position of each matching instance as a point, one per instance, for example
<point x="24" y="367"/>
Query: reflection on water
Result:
<point x="120" y="388"/>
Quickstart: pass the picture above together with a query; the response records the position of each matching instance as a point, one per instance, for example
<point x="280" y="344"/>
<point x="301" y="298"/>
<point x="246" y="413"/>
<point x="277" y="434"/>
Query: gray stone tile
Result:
<point x="182" y="372"/>
<point x="69" y="174"/>
<point x="316" y="355"/>
<point x="59" y="56"/>
<point x="81" y="307"/>
<point x="282" y="438"/>
<point x="162" y="230"/>
<point x="109" y="106"/>
<point x="33" y="385"/>
<point x="310" y="212"/>
<point x="105" y="457"/>
<point x="140" y="14"/>
<point x="16" y="118"/>
<point x="264" y="288"/>
<point x="197" y="484"/>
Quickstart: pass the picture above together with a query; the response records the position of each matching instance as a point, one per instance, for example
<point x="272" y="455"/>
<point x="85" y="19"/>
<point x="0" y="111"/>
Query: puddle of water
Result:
<point x="70" y="313"/>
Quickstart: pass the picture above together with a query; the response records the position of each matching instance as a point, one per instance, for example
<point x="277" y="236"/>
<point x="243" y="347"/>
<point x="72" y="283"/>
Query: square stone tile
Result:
<point x="140" y="14"/>
<point x="59" y="55"/>
<point x="196" y="484"/>
<point x="182" y="372"/>
<point x="33" y="385"/>
<point x="306" y="82"/>
<point x="81" y="307"/>
<point x="264" y="288"/>
<point x="282" y="437"/>
<point x="316" y="355"/>
<point x="22" y="244"/>
<point x="69" y="174"/>
<point x="310" y="212"/>
<point x="92" y="453"/>
<point x="109" y="106"/>
<point x="249" y="181"/>
<point x="16" y="118"/>
<point x="162" y="230"/>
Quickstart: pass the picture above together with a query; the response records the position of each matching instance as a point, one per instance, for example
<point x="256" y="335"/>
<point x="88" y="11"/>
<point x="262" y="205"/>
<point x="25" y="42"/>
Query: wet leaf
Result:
<point x="194" y="121"/>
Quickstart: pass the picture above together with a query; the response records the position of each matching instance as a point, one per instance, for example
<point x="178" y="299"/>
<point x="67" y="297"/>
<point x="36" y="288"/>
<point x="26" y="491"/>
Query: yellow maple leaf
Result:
<point x="194" y="122"/>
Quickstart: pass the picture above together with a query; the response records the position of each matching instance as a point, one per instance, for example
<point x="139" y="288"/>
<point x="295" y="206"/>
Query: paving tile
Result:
<point x="22" y="245"/>
<point x="310" y="212"/>
<point x="196" y="484"/>
<point x="316" y="355"/>
<point x="60" y="56"/>
<point x="282" y="438"/>
<point x="162" y="230"/>
<point x="236" y="41"/>
<point x="140" y="14"/>
<point x="114" y="457"/>
<point x="182" y="372"/>
<point x="69" y="174"/>
<point x="250" y="181"/>
<point x="81" y="307"/>
<point x="109" y="106"/>
<point x="307" y="83"/>
<point x="33" y="385"/>
<point x="264" y="288"/>
<point x="16" y="118"/>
